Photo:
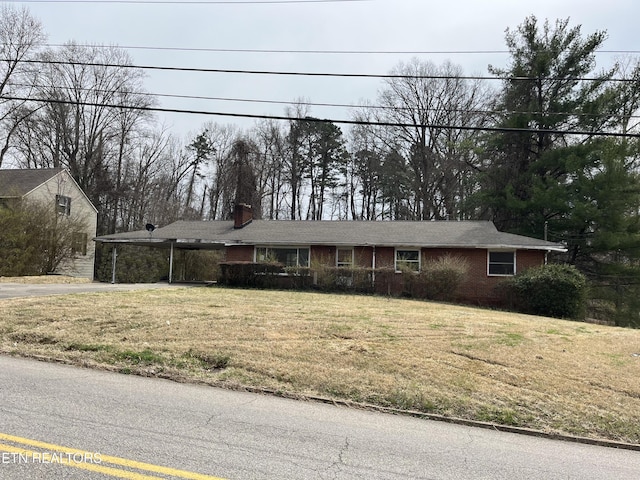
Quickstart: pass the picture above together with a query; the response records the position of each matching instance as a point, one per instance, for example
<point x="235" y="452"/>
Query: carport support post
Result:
<point x="113" y="263"/>
<point x="171" y="263"/>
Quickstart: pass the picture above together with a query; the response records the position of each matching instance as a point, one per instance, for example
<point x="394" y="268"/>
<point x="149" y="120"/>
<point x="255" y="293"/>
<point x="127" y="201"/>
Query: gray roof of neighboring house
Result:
<point x="445" y="234"/>
<point x="18" y="183"/>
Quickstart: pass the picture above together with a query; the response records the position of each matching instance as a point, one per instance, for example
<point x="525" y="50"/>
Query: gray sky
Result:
<point x="368" y="25"/>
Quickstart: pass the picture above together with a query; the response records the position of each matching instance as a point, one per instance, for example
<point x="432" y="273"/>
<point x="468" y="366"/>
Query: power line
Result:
<point x="330" y="105"/>
<point x="316" y="74"/>
<point x="373" y="107"/>
<point x="321" y="52"/>
<point x="312" y="119"/>
<point x="190" y="2"/>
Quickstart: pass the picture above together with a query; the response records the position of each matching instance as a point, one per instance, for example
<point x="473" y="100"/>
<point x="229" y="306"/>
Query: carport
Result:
<point x="164" y="238"/>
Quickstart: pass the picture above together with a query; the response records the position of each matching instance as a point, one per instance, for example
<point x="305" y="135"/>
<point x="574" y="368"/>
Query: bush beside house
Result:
<point x="550" y="290"/>
<point x="48" y="224"/>
<point x="439" y="279"/>
<point x="35" y="240"/>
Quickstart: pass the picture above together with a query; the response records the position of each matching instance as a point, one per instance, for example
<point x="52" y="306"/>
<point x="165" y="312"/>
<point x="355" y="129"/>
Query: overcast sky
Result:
<point x="453" y="26"/>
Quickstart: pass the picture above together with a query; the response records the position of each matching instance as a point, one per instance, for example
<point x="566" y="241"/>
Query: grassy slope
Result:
<point x="552" y="375"/>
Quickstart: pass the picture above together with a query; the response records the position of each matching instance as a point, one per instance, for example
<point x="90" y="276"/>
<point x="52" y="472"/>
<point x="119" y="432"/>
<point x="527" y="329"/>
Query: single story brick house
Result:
<point x="491" y="255"/>
<point x="56" y="189"/>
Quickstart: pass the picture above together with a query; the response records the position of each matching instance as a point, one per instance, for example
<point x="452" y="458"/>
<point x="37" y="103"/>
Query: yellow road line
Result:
<point x="103" y="459"/>
<point x="114" y="472"/>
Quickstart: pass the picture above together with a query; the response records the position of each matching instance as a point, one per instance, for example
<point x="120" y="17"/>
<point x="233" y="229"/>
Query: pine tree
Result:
<point x="543" y="94"/>
<point x="585" y="188"/>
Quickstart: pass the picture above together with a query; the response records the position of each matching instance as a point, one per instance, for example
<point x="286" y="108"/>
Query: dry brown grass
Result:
<point x="44" y="279"/>
<point x="553" y="375"/>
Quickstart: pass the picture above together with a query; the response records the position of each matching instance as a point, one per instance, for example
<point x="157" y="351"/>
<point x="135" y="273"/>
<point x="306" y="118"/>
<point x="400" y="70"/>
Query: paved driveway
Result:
<point x="13" y="290"/>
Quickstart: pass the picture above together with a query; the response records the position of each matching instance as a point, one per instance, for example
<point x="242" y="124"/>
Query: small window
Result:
<point x="288" y="256"/>
<point x="408" y="259"/>
<point x="344" y="257"/>
<point x="79" y="244"/>
<point x="502" y="263"/>
<point x="63" y="205"/>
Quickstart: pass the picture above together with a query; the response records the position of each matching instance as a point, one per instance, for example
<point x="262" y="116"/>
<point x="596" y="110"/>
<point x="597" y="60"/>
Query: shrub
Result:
<point x="35" y="239"/>
<point x="326" y="276"/>
<point x="550" y="290"/>
<point x="248" y="274"/>
<point x="362" y="279"/>
<point x="197" y="265"/>
<point x="438" y="279"/>
<point x="442" y="276"/>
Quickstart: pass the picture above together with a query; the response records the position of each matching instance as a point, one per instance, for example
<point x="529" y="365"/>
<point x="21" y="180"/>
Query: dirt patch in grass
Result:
<point x="552" y="375"/>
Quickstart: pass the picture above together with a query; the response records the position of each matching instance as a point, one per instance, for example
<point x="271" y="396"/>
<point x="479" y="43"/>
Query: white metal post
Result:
<point x="171" y="264"/>
<point x="113" y="264"/>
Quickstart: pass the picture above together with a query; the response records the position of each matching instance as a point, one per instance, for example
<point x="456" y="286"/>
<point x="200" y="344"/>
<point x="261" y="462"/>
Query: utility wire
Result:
<point x="189" y="2"/>
<point x="330" y="105"/>
<point x="316" y="74"/>
<point x="322" y="52"/>
<point x="313" y="119"/>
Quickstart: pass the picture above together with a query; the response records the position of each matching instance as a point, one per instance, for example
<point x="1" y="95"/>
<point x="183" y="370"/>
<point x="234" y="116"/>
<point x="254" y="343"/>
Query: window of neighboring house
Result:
<point x="344" y="257"/>
<point x="63" y="204"/>
<point x="502" y="263"/>
<point x="408" y="259"/>
<point x="79" y="244"/>
<point x="288" y="256"/>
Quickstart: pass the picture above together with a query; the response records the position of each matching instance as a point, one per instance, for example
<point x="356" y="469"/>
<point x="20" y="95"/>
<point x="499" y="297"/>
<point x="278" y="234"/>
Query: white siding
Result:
<point x="81" y="209"/>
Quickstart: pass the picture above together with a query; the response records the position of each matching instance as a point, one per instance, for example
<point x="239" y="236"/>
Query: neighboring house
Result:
<point x="491" y="255"/>
<point x="56" y="187"/>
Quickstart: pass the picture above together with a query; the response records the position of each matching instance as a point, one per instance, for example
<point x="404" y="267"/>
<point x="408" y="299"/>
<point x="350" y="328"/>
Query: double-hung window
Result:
<point x="79" y="244"/>
<point x="344" y="257"/>
<point x="408" y="259"/>
<point x="502" y="263"/>
<point x="344" y="262"/>
<point x="63" y="205"/>
<point x="287" y="256"/>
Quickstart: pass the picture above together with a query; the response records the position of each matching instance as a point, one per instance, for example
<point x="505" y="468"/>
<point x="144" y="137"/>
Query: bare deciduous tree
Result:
<point x="21" y="35"/>
<point x="92" y="114"/>
<point x="430" y="101"/>
<point x="271" y="142"/>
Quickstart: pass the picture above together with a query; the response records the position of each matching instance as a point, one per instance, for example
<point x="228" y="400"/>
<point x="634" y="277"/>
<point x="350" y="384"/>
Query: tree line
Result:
<point x="552" y="151"/>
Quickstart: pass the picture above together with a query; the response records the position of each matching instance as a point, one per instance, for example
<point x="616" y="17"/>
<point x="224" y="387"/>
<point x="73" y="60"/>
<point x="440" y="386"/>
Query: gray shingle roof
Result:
<point x="17" y="183"/>
<point x="447" y="234"/>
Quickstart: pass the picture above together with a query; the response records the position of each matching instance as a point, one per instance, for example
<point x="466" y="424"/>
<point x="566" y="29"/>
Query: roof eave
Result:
<point x="554" y="248"/>
<point x="141" y="241"/>
<point x="546" y="248"/>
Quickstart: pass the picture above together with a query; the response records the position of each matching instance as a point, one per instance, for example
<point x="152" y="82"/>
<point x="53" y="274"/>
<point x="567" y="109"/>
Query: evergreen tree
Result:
<point x="545" y="94"/>
<point x="586" y="187"/>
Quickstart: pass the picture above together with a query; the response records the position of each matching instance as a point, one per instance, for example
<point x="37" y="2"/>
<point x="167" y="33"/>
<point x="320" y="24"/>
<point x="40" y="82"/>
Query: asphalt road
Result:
<point x="12" y="290"/>
<point x="131" y="427"/>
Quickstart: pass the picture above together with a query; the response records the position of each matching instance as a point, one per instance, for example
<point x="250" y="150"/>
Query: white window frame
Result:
<point x="489" y="263"/>
<point x="340" y="264"/>
<point x="284" y="247"/>
<point x="418" y="262"/>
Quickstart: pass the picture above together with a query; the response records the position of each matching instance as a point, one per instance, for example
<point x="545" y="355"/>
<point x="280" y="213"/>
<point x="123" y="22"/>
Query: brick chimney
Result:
<point x="242" y="215"/>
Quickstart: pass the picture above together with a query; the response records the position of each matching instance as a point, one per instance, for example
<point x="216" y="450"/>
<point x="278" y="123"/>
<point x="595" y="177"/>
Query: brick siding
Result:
<point x="478" y="288"/>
